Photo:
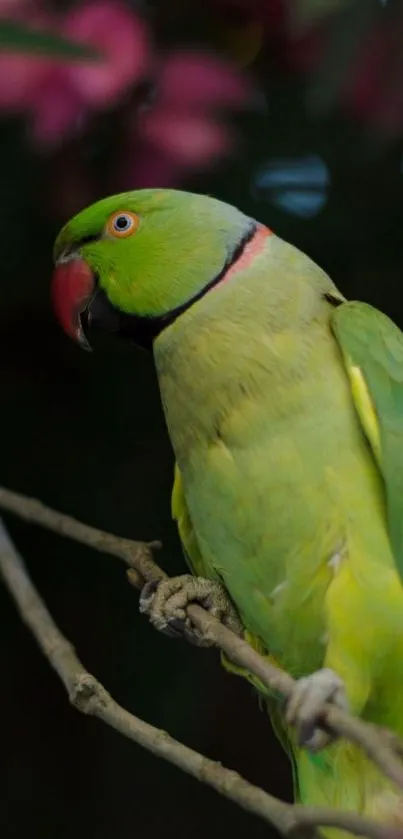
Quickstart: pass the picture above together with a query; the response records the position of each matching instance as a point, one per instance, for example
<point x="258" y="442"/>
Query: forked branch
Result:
<point x="90" y="697"/>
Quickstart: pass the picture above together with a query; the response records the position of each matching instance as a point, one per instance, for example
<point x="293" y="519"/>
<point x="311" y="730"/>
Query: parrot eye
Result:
<point x="121" y="224"/>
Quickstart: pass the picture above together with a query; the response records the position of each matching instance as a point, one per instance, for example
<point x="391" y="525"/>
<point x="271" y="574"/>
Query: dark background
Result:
<point x="85" y="432"/>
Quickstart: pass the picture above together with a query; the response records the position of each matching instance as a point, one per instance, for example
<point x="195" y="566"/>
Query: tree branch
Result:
<point x="90" y="697"/>
<point x="137" y="555"/>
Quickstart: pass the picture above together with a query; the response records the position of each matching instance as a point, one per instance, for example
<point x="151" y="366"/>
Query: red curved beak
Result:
<point x="73" y="284"/>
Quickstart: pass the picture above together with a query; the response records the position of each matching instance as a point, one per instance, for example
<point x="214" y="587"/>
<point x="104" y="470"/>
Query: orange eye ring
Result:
<point x="122" y="224"/>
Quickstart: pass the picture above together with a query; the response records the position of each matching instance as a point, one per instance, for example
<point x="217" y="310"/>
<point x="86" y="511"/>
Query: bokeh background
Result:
<point x="294" y="112"/>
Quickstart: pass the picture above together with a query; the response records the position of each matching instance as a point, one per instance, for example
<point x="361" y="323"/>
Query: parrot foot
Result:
<point x="165" y="603"/>
<point x="306" y="702"/>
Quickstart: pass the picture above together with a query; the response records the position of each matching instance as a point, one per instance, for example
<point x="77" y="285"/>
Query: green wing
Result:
<point x="201" y="568"/>
<point x="372" y="348"/>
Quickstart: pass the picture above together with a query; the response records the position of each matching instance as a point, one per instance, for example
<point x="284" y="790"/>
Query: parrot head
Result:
<point x="132" y="263"/>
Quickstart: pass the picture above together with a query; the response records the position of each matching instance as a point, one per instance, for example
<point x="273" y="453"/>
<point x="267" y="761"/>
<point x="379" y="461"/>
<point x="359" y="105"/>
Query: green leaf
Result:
<point x="15" y="37"/>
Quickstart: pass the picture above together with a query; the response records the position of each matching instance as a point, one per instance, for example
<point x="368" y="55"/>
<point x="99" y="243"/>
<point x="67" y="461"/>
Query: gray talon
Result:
<point x="306" y="702"/>
<point x="166" y="601"/>
<point x="146" y="595"/>
<point x="177" y="625"/>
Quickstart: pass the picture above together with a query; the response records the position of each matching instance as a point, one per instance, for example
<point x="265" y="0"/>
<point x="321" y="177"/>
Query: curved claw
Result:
<point x="146" y="595"/>
<point x="174" y="627"/>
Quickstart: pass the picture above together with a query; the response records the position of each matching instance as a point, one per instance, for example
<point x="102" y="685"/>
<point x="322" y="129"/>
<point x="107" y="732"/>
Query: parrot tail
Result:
<point x="343" y="777"/>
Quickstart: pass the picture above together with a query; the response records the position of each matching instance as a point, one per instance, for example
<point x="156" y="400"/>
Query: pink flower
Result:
<point x="182" y="129"/>
<point x="190" y="139"/>
<point x="121" y="37"/>
<point x="12" y="8"/>
<point x="193" y="81"/>
<point x="60" y="95"/>
<point x="56" y="111"/>
<point x="20" y="77"/>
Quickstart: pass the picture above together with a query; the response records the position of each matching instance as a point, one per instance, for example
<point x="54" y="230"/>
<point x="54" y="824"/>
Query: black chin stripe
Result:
<point x="144" y="330"/>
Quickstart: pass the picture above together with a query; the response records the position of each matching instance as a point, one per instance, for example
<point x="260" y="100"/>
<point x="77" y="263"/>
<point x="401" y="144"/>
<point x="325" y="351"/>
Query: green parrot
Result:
<point x="284" y="407"/>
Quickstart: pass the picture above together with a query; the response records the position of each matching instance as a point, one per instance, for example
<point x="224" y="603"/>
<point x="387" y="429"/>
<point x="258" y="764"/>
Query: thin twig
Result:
<point x="137" y="555"/>
<point x="90" y="697"/>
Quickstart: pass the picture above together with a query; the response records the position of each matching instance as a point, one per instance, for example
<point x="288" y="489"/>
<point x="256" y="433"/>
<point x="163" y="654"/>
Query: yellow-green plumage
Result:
<point x="279" y="495"/>
<point x="284" y="405"/>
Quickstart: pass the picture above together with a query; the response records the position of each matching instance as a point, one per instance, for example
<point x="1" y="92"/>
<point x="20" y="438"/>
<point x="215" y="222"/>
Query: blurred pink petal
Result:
<point x="12" y="8"/>
<point x="19" y="78"/>
<point x="56" y="109"/>
<point x="21" y="74"/>
<point x="121" y="36"/>
<point x="191" y="140"/>
<point x="194" y="81"/>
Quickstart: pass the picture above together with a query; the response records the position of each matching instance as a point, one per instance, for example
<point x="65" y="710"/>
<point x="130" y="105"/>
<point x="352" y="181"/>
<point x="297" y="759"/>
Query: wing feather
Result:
<point x="372" y="349"/>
